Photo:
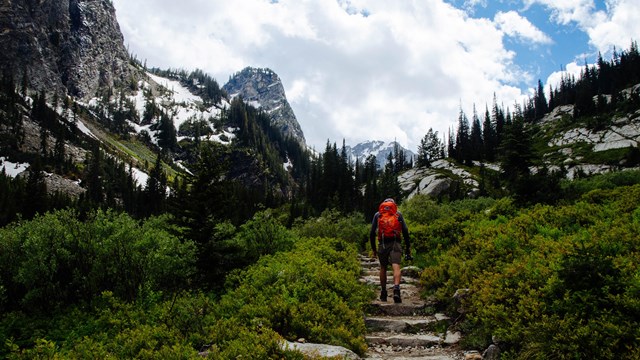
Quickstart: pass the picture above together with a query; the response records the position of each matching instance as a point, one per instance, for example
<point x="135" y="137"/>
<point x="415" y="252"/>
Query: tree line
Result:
<point x="314" y="182"/>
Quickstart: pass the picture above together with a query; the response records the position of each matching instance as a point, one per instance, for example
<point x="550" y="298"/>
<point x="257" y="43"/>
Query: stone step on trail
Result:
<point x="374" y="279"/>
<point x="405" y="324"/>
<point x="413" y="340"/>
<point x="405" y="330"/>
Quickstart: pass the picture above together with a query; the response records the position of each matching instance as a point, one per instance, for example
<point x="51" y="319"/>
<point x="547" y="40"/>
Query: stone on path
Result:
<point x="404" y="331"/>
<point x="320" y="350"/>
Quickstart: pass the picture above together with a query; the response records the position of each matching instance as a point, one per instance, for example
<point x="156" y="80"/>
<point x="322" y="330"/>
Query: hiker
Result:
<point x="390" y="227"/>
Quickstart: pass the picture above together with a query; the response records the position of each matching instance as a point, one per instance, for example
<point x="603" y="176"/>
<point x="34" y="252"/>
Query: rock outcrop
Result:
<point x="624" y="132"/>
<point x="64" y="46"/>
<point x="263" y="89"/>
<point x="437" y="180"/>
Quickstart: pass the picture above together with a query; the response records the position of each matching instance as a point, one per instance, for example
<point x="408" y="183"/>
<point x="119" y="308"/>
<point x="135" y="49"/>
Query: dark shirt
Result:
<point x="374" y="227"/>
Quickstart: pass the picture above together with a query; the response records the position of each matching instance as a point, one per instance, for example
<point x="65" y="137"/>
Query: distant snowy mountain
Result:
<point x="377" y="148"/>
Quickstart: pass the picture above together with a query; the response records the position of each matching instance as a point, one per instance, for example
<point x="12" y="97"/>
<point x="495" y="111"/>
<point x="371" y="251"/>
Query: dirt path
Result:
<point x="408" y="330"/>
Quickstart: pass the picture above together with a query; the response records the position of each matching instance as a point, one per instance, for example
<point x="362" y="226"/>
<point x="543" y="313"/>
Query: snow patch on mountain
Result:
<point x="377" y="148"/>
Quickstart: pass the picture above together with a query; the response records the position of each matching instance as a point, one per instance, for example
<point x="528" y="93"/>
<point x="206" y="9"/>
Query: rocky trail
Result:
<point x="408" y="330"/>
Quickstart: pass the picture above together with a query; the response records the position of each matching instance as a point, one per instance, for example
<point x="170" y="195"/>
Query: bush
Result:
<point x="56" y="260"/>
<point x="262" y="235"/>
<point x="311" y="292"/>
<point x="549" y="281"/>
<point x="333" y="224"/>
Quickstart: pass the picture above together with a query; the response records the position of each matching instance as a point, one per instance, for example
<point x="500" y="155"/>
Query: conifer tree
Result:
<point x="430" y="149"/>
<point x="36" y="191"/>
<point x="463" y="143"/>
<point x="156" y="188"/>
<point x="476" y="144"/>
<point x="488" y="137"/>
<point x="515" y="153"/>
<point x="389" y="186"/>
<point x="540" y="102"/>
<point x="498" y="119"/>
<point x="94" y="177"/>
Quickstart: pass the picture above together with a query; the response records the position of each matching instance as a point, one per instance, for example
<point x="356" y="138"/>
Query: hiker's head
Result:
<point x="389" y="200"/>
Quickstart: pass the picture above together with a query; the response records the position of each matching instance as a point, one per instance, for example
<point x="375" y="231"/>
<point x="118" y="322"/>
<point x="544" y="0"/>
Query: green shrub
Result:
<point x="422" y="209"/>
<point x="55" y="259"/>
<point x="262" y="235"/>
<point x="549" y="281"/>
<point x="333" y="224"/>
<point x="311" y="292"/>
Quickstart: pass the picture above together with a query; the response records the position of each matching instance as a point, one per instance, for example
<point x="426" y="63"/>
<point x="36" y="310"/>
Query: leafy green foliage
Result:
<point x="57" y="259"/>
<point x="546" y="281"/>
<point x="333" y="224"/>
<point x="307" y="289"/>
<point x="311" y="292"/>
<point x="262" y="235"/>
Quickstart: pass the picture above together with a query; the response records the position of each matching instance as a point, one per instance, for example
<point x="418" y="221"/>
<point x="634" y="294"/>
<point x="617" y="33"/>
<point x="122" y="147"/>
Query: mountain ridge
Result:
<point x="72" y="46"/>
<point x="263" y="89"/>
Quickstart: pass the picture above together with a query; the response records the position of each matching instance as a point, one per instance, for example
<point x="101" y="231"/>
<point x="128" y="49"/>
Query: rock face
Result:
<point x="437" y="180"/>
<point x="263" y="89"/>
<point x="68" y="46"/>
<point x="625" y="132"/>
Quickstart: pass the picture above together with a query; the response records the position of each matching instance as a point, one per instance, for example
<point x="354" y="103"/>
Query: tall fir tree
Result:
<point x="476" y="143"/>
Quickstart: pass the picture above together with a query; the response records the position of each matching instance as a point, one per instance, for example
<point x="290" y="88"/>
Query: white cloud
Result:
<point x="353" y="69"/>
<point x="568" y="11"/>
<point x="517" y="26"/>
<point x="616" y="26"/>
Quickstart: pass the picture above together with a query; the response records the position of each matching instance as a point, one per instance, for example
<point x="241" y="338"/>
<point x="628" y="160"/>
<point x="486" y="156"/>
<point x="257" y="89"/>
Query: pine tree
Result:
<point x="94" y="177"/>
<point x="488" y="137"/>
<point x="476" y="143"/>
<point x="463" y="143"/>
<point x="516" y="153"/>
<point x="156" y="188"/>
<point x="498" y="119"/>
<point x="540" y="102"/>
<point x="36" y="191"/>
<point x="389" y="186"/>
<point x="430" y="149"/>
<point x="167" y="137"/>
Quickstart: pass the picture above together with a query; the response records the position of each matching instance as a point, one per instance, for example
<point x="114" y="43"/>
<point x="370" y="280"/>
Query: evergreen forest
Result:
<point x="238" y="252"/>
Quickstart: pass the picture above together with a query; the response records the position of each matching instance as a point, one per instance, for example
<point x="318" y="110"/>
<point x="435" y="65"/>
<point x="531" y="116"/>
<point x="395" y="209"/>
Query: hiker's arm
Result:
<point x="372" y="233"/>
<point x="405" y="234"/>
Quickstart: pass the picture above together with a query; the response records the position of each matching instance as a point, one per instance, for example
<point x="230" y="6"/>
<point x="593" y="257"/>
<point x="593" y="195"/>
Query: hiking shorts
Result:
<point x="389" y="252"/>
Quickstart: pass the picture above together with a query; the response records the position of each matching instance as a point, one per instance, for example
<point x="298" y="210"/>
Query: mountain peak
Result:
<point x="378" y="148"/>
<point x="263" y="89"/>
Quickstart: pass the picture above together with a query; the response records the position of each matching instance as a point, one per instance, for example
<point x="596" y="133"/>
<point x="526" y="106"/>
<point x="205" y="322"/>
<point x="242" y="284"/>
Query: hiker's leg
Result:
<point x="383" y="257"/>
<point x="396" y="274"/>
<point x="383" y="277"/>
<point x="396" y="259"/>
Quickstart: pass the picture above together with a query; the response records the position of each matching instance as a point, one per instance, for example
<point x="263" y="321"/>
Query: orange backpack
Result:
<point x="388" y="222"/>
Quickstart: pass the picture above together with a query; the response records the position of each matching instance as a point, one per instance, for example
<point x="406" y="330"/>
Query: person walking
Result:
<point x="391" y="228"/>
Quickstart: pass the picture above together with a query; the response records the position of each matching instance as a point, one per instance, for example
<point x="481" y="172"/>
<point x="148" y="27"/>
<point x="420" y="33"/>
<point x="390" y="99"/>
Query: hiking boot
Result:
<point x="383" y="295"/>
<point x="396" y="295"/>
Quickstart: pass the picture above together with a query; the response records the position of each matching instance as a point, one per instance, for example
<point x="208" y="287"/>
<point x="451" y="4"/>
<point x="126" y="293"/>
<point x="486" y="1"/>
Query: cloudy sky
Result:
<point x="382" y="69"/>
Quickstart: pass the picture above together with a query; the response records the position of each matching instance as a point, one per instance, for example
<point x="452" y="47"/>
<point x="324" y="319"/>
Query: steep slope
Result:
<point x="263" y="89"/>
<point x="67" y="46"/>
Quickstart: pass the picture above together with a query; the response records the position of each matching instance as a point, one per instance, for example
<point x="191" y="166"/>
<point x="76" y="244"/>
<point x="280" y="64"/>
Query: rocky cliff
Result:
<point x="263" y="89"/>
<point x="68" y="46"/>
